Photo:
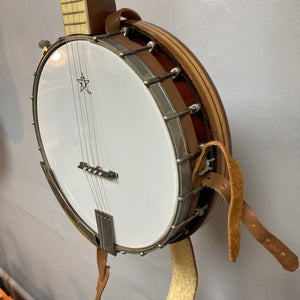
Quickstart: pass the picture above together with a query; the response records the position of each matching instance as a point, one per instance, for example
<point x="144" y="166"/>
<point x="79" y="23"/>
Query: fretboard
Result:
<point x="86" y="16"/>
<point x="75" y="16"/>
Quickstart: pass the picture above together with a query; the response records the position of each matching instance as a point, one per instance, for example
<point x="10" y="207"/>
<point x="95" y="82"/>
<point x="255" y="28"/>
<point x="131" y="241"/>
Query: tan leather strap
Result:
<point x="103" y="272"/>
<point x="112" y="22"/>
<point x="287" y="259"/>
<point x="237" y="195"/>
<point x="185" y="278"/>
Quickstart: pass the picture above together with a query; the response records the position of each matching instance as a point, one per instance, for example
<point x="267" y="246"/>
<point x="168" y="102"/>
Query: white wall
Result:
<point x="251" y="49"/>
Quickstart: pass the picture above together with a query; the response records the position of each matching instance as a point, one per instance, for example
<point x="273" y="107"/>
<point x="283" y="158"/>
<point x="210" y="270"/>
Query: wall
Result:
<point x="251" y="49"/>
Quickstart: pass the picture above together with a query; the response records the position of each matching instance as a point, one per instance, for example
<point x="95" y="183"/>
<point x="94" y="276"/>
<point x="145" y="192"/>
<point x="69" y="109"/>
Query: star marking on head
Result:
<point x="84" y="84"/>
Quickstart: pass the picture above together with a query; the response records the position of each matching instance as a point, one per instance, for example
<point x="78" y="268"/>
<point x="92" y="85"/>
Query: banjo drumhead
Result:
<point x="92" y="107"/>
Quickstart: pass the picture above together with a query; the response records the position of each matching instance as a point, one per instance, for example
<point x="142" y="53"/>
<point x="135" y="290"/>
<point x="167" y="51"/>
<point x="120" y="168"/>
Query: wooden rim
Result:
<point x="199" y="77"/>
<point x="204" y="87"/>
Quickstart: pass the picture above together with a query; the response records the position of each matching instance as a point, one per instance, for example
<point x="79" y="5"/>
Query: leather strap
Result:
<point x="103" y="272"/>
<point x="113" y="21"/>
<point x="287" y="259"/>
<point x="185" y="278"/>
<point x="237" y="195"/>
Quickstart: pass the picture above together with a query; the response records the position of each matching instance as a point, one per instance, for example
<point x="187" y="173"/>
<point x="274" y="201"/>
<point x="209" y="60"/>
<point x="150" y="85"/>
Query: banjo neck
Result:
<point x="86" y="16"/>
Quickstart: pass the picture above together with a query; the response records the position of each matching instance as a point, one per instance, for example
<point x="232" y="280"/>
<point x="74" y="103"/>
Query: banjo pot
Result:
<point x="120" y="119"/>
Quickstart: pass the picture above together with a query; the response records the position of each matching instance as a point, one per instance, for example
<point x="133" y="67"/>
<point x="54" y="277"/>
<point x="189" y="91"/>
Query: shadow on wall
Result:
<point x="10" y="113"/>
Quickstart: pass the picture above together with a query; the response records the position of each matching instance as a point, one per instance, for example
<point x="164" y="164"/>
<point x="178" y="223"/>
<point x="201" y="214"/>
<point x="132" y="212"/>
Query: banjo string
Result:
<point x="75" y="105"/>
<point x="83" y="128"/>
<point x="89" y="127"/>
<point x="100" y="181"/>
<point x="86" y="131"/>
<point x="86" y="112"/>
<point x="90" y="180"/>
<point x="89" y="134"/>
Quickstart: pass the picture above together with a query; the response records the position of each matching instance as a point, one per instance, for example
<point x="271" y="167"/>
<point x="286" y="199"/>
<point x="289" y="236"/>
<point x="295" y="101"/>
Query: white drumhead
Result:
<point x="93" y="107"/>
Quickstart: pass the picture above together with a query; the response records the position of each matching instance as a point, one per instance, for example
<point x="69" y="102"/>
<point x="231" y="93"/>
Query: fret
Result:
<point x="86" y="16"/>
<point x="75" y="16"/>
<point x="73" y="13"/>
<point x="71" y="24"/>
<point x="69" y="2"/>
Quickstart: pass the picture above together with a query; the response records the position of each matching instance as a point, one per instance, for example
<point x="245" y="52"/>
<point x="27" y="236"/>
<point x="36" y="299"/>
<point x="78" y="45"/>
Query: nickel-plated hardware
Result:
<point x="150" y="46"/>
<point x="207" y="166"/>
<point x="172" y="74"/>
<point x="98" y="171"/>
<point x="123" y="30"/>
<point x="190" y="110"/>
<point x="106" y="232"/>
<point x="198" y="213"/>
<point x="202" y="145"/>
<point x="60" y="39"/>
<point x="194" y="192"/>
<point x="190" y="156"/>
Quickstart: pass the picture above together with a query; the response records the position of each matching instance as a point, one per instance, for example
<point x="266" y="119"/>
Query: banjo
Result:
<point x="126" y="120"/>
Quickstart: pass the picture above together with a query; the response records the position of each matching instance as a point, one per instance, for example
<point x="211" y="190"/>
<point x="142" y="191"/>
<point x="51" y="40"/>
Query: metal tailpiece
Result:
<point x="106" y="232"/>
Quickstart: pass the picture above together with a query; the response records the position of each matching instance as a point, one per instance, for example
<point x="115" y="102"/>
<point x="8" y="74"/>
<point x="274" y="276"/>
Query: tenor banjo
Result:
<point x="124" y="116"/>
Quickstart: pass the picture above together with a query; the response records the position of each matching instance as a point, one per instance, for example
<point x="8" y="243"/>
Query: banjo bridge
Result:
<point x="97" y="171"/>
